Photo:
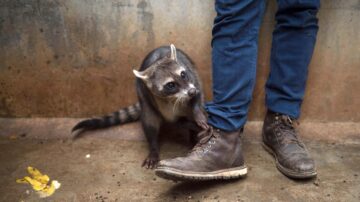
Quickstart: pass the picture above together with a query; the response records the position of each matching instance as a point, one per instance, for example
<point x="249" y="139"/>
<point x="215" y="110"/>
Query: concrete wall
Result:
<point x="73" y="58"/>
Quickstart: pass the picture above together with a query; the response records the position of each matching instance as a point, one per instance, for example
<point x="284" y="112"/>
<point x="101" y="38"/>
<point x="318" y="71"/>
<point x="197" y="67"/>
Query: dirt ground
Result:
<point x="113" y="171"/>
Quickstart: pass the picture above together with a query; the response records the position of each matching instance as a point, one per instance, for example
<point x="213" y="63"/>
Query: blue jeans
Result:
<point x="234" y="56"/>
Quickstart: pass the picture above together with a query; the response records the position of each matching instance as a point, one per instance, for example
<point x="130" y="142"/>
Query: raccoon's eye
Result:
<point x="183" y="74"/>
<point x="170" y="85"/>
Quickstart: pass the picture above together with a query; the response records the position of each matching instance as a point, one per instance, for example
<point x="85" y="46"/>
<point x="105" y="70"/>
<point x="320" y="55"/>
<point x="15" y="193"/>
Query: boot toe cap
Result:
<point x="301" y="167"/>
<point x="305" y="165"/>
<point x="171" y="163"/>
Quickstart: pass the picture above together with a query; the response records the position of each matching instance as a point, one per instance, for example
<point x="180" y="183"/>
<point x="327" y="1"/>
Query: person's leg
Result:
<point x="218" y="154"/>
<point x="234" y="57"/>
<point x="292" y="47"/>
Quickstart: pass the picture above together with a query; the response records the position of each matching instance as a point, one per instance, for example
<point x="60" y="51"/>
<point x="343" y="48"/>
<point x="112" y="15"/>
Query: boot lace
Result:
<point x="205" y="140"/>
<point x="285" y="129"/>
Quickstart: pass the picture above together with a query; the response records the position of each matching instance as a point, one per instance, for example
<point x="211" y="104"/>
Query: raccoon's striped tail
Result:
<point x="124" y="115"/>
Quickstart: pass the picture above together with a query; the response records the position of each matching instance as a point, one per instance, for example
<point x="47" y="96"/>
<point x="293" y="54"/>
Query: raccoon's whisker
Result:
<point x="174" y="107"/>
<point x="178" y="103"/>
<point x="183" y="99"/>
<point x="177" y="100"/>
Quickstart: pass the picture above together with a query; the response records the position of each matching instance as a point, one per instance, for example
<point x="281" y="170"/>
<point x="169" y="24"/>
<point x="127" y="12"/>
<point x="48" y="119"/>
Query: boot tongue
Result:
<point x="290" y="137"/>
<point x="286" y="120"/>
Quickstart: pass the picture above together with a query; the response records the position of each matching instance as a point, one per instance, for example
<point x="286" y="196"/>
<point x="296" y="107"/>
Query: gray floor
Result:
<point x="113" y="172"/>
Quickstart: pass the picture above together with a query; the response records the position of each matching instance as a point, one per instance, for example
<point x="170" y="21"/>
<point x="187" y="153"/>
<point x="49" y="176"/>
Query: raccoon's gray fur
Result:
<point x="169" y="91"/>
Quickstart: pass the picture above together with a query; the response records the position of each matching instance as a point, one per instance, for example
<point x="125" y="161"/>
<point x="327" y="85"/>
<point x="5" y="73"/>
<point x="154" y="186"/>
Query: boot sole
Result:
<point x="179" y="175"/>
<point x="287" y="172"/>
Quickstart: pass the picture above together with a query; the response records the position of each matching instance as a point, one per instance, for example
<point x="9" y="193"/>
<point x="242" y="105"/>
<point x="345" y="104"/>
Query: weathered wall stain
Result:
<point x="67" y="58"/>
<point x="146" y="21"/>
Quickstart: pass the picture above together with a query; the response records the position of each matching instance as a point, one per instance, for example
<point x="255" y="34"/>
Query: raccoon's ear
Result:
<point x="173" y="52"/>
<point x="140" y="75"/>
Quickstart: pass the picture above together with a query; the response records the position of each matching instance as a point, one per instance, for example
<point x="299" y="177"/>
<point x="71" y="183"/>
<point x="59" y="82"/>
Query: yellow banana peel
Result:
<point x="40" y="182"/>
<point x="49" y="190"/>
<point x="36" y="174"/>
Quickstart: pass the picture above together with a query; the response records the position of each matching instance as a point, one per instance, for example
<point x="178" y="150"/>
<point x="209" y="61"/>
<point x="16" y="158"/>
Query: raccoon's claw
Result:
<point x="202" y="124"/>
<point x="151" y="161"/>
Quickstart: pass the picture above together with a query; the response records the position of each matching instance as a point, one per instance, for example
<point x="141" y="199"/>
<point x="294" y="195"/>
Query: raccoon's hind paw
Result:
<point x="151" y="161"/>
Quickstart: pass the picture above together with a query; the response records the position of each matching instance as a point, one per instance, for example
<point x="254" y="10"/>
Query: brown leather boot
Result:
<point x="217" y="155"/>
<point x="281" y="140"/>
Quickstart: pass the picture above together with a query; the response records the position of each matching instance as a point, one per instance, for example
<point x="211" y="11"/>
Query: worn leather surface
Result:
<point x="280" y="136"/>
<point x="215" y="150"/>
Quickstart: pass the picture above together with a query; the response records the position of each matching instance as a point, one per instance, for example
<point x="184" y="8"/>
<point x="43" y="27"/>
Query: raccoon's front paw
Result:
<point x="151" y="161"/>
<point x="201" y="121"/>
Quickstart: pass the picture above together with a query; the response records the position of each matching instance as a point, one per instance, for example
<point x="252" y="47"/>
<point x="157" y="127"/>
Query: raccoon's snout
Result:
<point x="192" y="92"/>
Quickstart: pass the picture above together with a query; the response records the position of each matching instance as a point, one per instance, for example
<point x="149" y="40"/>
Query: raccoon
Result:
<point x="169" y="91"/>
